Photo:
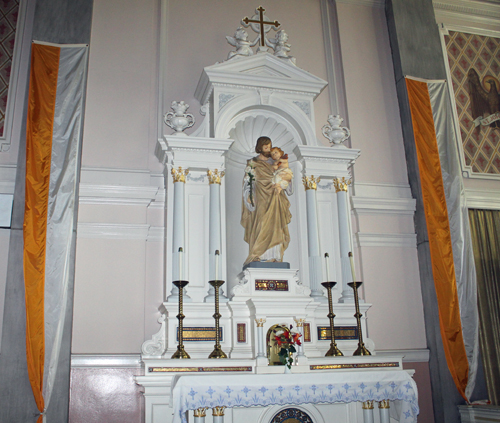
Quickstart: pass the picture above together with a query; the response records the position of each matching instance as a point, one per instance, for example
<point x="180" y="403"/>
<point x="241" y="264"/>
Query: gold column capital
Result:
<point x="310" y="182"/>
<point x="368" y="405"/>
<point x="218" y="411"/>
<point x="299" y="322"/>
<point x="201" y="412"/>
<point x="214" y="176"/>
<point x="260" y="322"/>
<point x="341" y="184"/>
<point x="179" y="175"/>
<point x="384" y="404"/>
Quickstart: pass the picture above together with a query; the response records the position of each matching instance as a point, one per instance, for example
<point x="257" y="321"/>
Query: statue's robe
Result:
<point x="267" y="226"/>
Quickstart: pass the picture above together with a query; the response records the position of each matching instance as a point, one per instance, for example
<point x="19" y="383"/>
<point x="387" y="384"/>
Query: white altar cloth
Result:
<point x="193" y="392"/>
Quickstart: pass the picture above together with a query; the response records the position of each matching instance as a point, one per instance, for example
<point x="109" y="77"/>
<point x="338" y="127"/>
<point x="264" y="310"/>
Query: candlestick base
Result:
<point x="180" y="353"/>
<point x="334" y="352"/>
<point x="217" y="353"/>
<point x="362" y="350"/>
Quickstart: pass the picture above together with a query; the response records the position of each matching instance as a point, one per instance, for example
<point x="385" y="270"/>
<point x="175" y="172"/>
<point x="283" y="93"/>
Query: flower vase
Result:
<point x="287" y="369"/>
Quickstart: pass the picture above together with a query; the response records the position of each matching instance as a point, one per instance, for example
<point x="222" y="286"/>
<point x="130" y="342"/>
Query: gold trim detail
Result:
<point x="260" y="322"/>
<point x="367" y="405"/>
<point x="199" y="369"/>
<point x="214" y="176"/>
<point x="299" y="322"/>
<point x="352" y="366"/>
<point x="341" y="184"/>
<point x="384" y="404"/>
<point x="310" y="182"/>
<point x="218" y="411"/>
<point x="202" y="412"/>
<point x="241" y="330"/>
<point x="179" y="175"/>
<point x="307" y="332"/>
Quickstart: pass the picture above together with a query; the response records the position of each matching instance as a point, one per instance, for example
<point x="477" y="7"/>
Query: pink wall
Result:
<point x="105" y="396"/>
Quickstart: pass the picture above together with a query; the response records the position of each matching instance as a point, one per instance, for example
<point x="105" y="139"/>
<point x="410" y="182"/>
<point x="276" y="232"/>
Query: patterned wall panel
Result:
<point x="9" y="10"/>
<point x="481" y="53"/>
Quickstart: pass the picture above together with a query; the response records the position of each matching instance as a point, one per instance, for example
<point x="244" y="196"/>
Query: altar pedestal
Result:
<point x="329" y="389"/>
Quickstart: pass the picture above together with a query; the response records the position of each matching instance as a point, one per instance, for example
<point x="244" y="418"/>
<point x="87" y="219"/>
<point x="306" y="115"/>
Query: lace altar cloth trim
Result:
<point x="196" y="391"/>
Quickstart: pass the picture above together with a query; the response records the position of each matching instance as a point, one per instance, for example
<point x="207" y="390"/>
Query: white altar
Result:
<point x="245" y="97"/>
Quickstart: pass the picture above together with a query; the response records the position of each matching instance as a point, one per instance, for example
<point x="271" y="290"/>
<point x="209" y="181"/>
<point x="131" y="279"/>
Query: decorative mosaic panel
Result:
<point x="341" y="333"/>
<point x="9" y="10"/>
<point x="199" y="334"/>
<point x="307" y="332"/>
<point x="267" y="285"/>
<point x="482" y="54"/>
<point x="241" y="330"/>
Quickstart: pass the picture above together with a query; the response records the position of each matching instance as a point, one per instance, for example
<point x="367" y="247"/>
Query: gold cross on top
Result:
<point x="261" y="22"/>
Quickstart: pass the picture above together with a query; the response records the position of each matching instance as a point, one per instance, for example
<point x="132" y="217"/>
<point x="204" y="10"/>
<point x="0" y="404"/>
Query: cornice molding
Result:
<point x="369" y="3"/>
<point x="482" y="199"/>
<point x="367" y="205"/>
<point x="120" y="231"/>
<point x="409" y="355"/>
<point x="385" y="240"/>
<point x="106" y="361"/>
<point x="469" y="8"/>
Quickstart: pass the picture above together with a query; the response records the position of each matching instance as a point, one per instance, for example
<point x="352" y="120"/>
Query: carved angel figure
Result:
<point x="485" y="105"/>
<point x="240" y="41"/>
<point x="280" y="46"/>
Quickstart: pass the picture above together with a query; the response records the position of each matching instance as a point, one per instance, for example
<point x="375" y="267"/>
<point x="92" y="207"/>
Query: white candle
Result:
<point x="180" y="263"/>
<point x="217" y="265"/>
<point x="327" y="271"/>
<point x="352" y="267"/>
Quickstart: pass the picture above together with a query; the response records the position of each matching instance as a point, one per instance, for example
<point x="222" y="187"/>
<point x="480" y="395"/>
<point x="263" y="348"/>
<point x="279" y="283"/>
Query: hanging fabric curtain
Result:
<point x="448" y="228"/>
<point x="53" y="133"/>
<point x="485" y="227"/>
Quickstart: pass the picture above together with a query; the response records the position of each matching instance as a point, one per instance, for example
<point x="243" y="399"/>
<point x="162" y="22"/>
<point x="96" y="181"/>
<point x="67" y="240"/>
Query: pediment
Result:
<point x="262" y="70"/>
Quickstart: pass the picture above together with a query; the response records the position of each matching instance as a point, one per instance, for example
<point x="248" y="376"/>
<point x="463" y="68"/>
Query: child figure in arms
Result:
<point x="282" y="173"/>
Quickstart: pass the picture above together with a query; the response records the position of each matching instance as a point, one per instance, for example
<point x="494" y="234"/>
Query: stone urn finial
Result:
<point x="335" y="133"/>
<point x="179" y="120"/>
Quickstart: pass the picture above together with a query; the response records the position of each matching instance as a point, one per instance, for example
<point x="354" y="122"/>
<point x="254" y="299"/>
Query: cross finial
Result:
<point x="261" y="22"/>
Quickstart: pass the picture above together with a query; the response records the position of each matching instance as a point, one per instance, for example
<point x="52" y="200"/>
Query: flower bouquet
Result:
<point x="286" y="341"/>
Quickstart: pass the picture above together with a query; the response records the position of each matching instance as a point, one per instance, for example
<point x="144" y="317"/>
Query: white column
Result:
<point x="214" y="234"/>
<point x="178" y="257"/>
<point x="383" y="408"/>
<point x="260" y="337"/>
<point x="200" y="414"/>
<point x="315" y="270"/>
<point x="368" y="412"/>
<point x="345" y="238"/>
<point x="218" y="414"/>
<point x="300" y="329"/>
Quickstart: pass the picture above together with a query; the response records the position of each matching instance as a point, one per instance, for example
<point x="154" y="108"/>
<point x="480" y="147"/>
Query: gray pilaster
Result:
<point x="416" y="51"/>
<point x="56" y="21"/>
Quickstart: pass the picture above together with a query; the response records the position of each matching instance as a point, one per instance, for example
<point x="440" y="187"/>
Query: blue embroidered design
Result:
<point x="210" y="391"/>
<point x="246" y="391"/>
<point x="192" y="393"/>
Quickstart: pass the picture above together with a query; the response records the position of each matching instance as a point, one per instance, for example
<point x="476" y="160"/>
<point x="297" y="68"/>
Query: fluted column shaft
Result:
<point x="344" y="238"/>
<point x="315" y="270"/>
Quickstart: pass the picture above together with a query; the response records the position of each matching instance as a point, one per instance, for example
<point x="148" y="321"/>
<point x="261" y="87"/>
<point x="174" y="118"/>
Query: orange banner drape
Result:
<point x="41" y="106"/>
<point x="438" y="228"/>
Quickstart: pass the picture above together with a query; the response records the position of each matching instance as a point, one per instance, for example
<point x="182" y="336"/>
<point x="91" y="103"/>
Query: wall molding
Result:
<point x="482" y="199"/>
<point x="123" y="231"/>
<point x="385" y="240"/>
<point x="107" y="361"/>
<point x="372" y="198"/>
<point x="409" y="355"/>
<point x="367" y="205"/>
<point x="369" y="3"/>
